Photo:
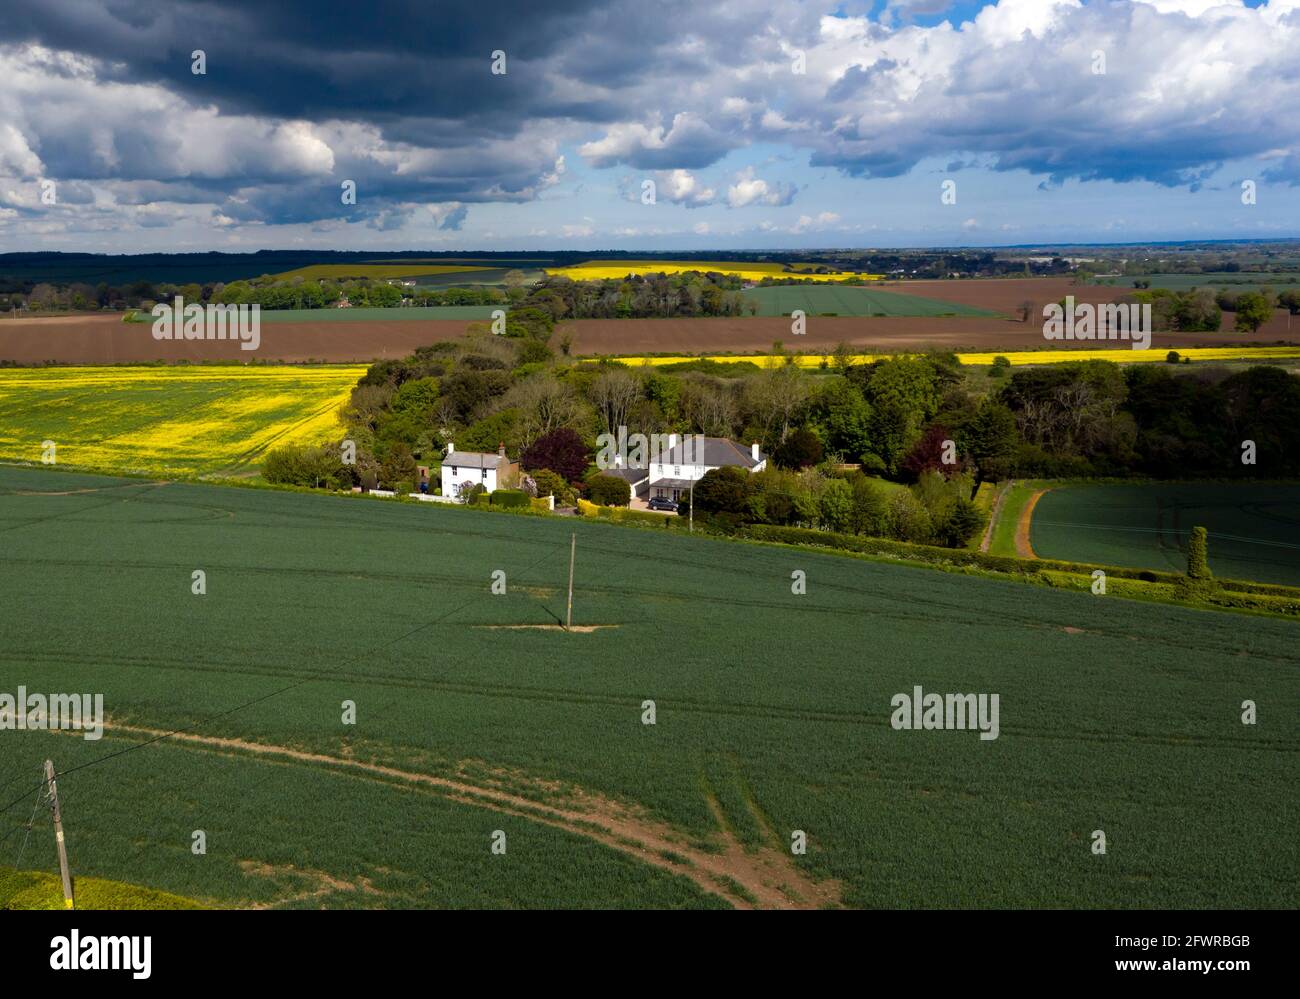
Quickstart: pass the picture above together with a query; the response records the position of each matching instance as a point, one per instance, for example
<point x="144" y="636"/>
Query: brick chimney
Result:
<point x="450" y="447"/>
<point x="501" y="449"/>
<point x="753" y="450"/>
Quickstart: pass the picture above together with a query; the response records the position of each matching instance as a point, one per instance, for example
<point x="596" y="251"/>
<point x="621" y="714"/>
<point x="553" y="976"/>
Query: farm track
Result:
<point x="73" y="510"/>
<point x="994" y="514"/>
<point x="530" y="715"/>
<point x="766" y="877"/>
<point x="1024" y="547"/>
<point x="242" y="461"/>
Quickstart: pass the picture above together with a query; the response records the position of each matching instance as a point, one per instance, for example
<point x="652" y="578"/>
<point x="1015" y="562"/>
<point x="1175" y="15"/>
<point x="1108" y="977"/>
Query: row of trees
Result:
<point x="937" y="264"/>
<point x="916" y="421"/>
<point x="1260" y="298"/>
<point x="936" y="510"/>
<point x="300" y="293"/>
<point x="691" y="293"/>
<point x="78" y="296"/>
<point x="1283" y="257"/>
<point x="658" y="295"/>
<point x="266" y="291"/>
<point x="1201" y="310"/>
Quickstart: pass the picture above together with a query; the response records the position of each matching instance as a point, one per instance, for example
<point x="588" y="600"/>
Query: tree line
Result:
<point x="909" y="438"/>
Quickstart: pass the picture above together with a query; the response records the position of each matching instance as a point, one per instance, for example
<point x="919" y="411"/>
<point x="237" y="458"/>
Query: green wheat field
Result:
<point x="772" y="716"/>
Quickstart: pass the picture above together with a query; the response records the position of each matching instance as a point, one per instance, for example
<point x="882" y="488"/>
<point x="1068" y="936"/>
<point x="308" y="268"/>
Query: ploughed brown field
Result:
<point x="105" y="339"/>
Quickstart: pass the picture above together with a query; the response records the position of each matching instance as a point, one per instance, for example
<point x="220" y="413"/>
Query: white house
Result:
<point x="685" y="462"/>
<point x="461" y="468"/>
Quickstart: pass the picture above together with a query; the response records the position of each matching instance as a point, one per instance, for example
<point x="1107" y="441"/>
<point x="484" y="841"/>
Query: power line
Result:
<point x="23" y="849"/>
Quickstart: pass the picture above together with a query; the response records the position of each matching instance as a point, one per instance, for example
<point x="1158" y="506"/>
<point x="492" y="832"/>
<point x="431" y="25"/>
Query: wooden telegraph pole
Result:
<point x="58" y="833"/>
<point x="573" y="552"/>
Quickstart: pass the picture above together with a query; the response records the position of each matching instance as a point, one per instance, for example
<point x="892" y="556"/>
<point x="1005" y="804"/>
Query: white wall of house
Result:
<point x="454" y="475"/>
<point x="659" y="470"/>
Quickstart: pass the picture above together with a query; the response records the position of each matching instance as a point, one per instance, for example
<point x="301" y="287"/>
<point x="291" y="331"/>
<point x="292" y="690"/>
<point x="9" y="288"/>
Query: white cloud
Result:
<point x="1189" y="85"/>
<point x="751" y="190"/>
<point x="807" y="223"/>
<point x="681" y="187"/>
<point x="689" y="142"/>
<point x="449" y="215"/>
<point x="16" y="156"/>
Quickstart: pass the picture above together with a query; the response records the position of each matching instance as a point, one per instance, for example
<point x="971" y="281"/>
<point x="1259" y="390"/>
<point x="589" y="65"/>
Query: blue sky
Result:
<point x="758" y="124"/>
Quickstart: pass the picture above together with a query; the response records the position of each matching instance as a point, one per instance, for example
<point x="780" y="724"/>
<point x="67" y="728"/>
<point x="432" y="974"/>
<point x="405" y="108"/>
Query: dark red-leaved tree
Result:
<point x="562" y="451"/>
<point x="927" y="454"/>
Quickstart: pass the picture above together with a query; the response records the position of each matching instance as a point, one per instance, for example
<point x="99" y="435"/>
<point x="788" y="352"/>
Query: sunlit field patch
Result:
<point x="598" y="270"/>
<point x="1016" y="357"/>
<point x="167" y="420"/>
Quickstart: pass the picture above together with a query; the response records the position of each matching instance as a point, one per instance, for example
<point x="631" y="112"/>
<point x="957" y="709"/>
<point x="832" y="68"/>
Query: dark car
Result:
<point x="662" y="503"/>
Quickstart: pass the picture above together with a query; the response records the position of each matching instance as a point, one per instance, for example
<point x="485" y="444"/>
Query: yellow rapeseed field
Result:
<point x="1022" y="357"/>
<point x="598" y="269"/>
<point x="178" y="420"/>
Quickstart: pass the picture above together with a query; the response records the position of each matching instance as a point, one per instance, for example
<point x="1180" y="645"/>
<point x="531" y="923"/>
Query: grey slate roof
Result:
<point x="715" y="451"/>
<point x="474" y="459"/>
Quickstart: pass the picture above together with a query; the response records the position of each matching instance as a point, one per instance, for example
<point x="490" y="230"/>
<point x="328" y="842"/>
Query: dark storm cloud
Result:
<point x="400" y="97"/>
<point x="315" y="60"/>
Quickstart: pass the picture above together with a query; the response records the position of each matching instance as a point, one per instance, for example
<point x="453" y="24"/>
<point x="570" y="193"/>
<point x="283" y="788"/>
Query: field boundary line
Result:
<point x="998" y="502"/>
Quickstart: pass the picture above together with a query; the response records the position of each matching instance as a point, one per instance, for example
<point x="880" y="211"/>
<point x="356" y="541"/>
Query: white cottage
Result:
<point x="686" y="460"/>
<point x="469" y="468"/>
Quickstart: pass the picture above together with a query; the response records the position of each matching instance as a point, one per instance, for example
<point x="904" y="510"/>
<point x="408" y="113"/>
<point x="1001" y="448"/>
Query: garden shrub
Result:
<point x="608" y="490"/>
<point x="509" y="497"/>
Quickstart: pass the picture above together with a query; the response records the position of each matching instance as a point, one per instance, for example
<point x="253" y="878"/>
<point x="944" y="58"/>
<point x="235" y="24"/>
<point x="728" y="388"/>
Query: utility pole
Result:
<point x="573" y="552"/>
<point x="58" y="834"/>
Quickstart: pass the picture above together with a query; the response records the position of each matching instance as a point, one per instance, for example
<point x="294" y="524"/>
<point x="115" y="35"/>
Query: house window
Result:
<point x="485" y="475"/>
<point x="453" y="469"/>
<point x="677" y="471"/>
